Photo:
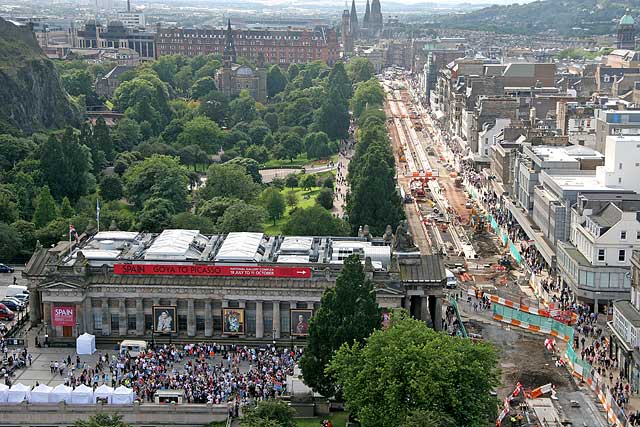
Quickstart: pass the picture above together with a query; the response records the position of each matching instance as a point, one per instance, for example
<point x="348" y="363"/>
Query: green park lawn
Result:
<point x="338" y="419"/>
<point x="276" y="229"/>
<point x="297" y="162"/>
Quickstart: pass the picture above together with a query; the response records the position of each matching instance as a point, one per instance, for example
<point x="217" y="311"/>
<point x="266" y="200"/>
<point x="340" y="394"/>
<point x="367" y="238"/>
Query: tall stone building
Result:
<point x="233" y="78"/>
<point x="626" y="32"/>
<point x="351" y="30"/>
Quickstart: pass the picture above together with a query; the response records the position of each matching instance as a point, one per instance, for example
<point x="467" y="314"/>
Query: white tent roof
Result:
<point x="86" y="344"/>
<point x="40" y="394"/>
<point x="82" y="394"/>
<point x="18" y="392"/>
<point x="122" y="396"/>
<point x="59" y="393"/>
<point x="104" y="391"/>
<point x="4" y="391"/>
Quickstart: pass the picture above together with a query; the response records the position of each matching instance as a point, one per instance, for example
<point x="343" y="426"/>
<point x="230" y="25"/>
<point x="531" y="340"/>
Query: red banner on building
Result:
<point x="63" y="315"/>
<point x="213" y="270"/>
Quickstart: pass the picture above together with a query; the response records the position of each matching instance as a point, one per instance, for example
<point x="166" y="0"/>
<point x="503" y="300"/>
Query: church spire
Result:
<point x="229" y="46"/>
<point x="353" y="20"/>
<point x="367" y="15"/>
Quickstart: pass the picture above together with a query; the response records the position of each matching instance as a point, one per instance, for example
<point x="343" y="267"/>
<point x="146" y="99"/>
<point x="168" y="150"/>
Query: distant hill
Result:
<point x="31" y="94"/>
<point x="566" y="17"/>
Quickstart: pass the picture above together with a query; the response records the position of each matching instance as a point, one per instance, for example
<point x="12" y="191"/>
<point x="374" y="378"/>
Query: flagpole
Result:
<point x="98" y="213"/>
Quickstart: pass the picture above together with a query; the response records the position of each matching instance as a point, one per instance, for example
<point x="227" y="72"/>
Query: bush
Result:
<point x="325" y="198"/>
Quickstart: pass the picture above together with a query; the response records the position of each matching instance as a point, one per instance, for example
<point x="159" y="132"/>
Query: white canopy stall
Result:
<point x="86" y="344"/>
<point x="104" y="393"/>
<point x="122" y="396"/>
<point x="4" y="391"/>
<point x="60" y="393"/>
<point x="41" y="394"/>
<point x="18" y="392"/>
<point x="82" y="395"/>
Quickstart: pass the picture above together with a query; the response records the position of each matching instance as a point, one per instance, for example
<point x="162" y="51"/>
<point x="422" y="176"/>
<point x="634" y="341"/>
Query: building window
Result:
<point x="182" y="323"/>
<point x="115" y="322"/>
<point x="620" y="166"/>
<point x="622" y="254"/>
<point x="148" y="322"/>
<point x="131" y="322"/>
<point x="623" y="235"/>
<point x="601" y="254"/>
<point x="637" y="235"/>
<point x="97" y="321"/>
<point x="200" y="323"/>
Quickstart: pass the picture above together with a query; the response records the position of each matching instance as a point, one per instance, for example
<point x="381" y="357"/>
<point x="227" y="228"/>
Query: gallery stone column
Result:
<point x="276" y="320"/>
<point x="122" y="316"/>
<point x="243" y="305"/>
<point x="424" y="308"/>
<point x="259" y="320"/>
<point x="139" y="317"/>
<point x="208" y="319"/>
<point x="191" y="318"/>
<point x="47" y="318"/>
<point x="87" y="312"/>
<point x="35" y="312"/>
<point x="106" y="317"/>
<point x="437" y="322"/>
<point x="79" y="320"/>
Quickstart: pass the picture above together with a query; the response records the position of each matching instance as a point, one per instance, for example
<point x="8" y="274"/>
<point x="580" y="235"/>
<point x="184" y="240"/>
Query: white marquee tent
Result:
<point x="4" y="391"/>
<point x="122" y="396"/>
<point x="82" y="395"/>
<point x="103" y="392"/>
<point x="40" y="394"/>
<point x="18" y="392"/>
<point x="60" y="393"/>
<point x="86" y="344"/>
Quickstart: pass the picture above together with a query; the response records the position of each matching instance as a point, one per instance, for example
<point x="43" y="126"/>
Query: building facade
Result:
<point x="181" y="284"/>
<point x="275" y="46"/>
<point x="115" y="35"/>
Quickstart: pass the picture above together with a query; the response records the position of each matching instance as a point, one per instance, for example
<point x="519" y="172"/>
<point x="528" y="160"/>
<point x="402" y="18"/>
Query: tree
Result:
<point x="216" y="207"/>
<point x="308" y="182"/>
<point x="202" y="132"/>
<point x="8" y="208"/>
<point x="102" y="139"/>
<point x="66" y="210"/>
<point x="160" y="177"/>
<point x="360" y="69"/>
<point x="202" y="87"/>
<point x="325" y="198"/>
<point x="13" y="150"/>
<point x="268" y="412"/>
<point x="291" y="198"/>
<point x="374" y="199"/>
<point x="229" y="180"/>
<point x="10" y="241"/>
<point x="273" y="202"/>
<point x="339" y="80"/>
<point x="111" y="187"/>
<point x="243" y="109"/>
<point x="102" y="420"/>
<point x="293" y="71"/>
<point x="315" y="221"/>
<point x="292" y="180"/>
<point x="144" y="98"/>
<point x="189" y="221"/>
<point x="317" y="145"/>
<point x="424" y="367"/>
<point x="45" y="208"/>
<point x="241" y="217"/>
<point x="127" y="134"/>
<point x="215" y="106"/>
<point x="250" y="166"/>
<point x="425" y="418"/>
<point x="328" y="182"/>
<point x="258" y="153"/>
<point x="166" y="68"/>
<point x="333" y="115"/>
<point x="368" y="94"/>
<point x="27" y="231"/>
<point x="65" y="166"/>
<point x="291" y="146"/>
<point x="156" y="215"/>
<point x="276" y="81"/>
<point x="77" y="82"/>
<point x="348" y="312"/>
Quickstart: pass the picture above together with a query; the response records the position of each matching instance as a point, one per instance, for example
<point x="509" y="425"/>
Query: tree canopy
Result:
<point x="160" y="177"/>
<point x="348" y="312"/>
<point x="410" y="367"/>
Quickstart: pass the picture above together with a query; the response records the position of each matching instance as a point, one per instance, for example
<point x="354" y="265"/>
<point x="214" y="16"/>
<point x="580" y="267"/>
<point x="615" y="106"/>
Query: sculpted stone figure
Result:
<point x="403" y="242"/>
<point x="388" y="235"/>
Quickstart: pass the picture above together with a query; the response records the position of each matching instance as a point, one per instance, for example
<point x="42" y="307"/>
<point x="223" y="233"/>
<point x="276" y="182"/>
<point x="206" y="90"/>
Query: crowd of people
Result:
<point x="206" y="372"/>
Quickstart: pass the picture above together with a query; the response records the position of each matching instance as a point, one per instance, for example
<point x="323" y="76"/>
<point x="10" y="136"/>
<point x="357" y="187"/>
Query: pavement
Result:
<point x="341" y="187"/>
<point x="269" y="175"/>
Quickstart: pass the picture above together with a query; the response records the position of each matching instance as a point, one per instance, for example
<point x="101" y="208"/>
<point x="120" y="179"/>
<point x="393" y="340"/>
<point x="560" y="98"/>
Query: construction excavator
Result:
<point x="477" y="222"/>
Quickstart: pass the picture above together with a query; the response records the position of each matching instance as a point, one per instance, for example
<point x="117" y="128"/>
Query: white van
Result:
<point x="452" y="282"/>
<point x="134" y="347"/>
<point x="13" y="290"/>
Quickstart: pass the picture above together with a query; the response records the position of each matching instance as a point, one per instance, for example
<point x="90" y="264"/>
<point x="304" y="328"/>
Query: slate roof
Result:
<point x="430" y="269"/>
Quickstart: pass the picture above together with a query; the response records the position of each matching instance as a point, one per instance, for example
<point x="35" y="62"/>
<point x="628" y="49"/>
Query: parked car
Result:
<point x="6" y="269"/>
<point x="6" y="313"/>
<point x="22" y="297"/>
<point x="12" y="305"/>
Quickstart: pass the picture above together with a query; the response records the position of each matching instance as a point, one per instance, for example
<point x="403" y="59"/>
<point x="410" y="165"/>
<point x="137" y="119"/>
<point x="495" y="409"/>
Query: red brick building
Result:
<point x="277" y="46"/>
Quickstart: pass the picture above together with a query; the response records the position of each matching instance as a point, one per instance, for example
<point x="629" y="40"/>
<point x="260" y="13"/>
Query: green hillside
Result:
<point x="566" y="17"/>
